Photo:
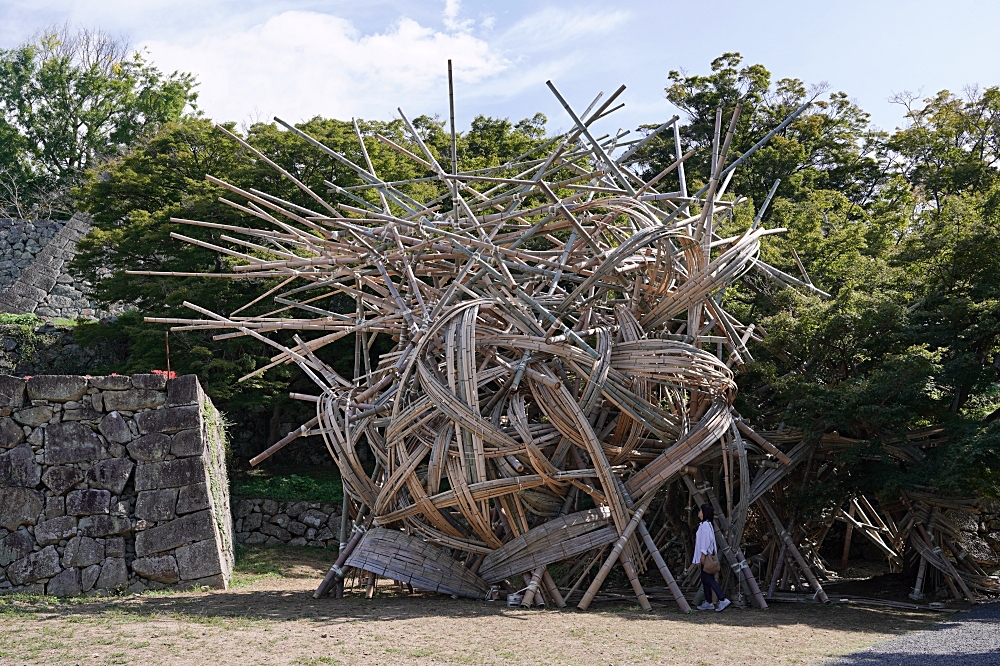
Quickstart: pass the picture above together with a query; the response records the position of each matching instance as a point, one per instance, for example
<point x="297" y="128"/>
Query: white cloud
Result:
<point x="300" y="64"/>
<point x="450" y="17"/>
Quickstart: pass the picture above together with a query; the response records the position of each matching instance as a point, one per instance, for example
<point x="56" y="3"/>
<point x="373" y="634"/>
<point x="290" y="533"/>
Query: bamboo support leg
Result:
<point x="529" y="595"/>
<point x="778" y="567"/>
<point x="552" y="589"/>
<point x="633" y="579"/>
<point x="619" y="546"/>
<point x="664" y="571"/>
<point x="806" y="571"/>
<point x="917" y="593"/>
<point x="847" y="540"/>
<point x="336" y="572"/>
<point x="370" y="587"/>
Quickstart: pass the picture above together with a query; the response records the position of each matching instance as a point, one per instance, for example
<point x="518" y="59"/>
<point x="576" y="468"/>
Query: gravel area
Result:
<point x="969" y="638"/>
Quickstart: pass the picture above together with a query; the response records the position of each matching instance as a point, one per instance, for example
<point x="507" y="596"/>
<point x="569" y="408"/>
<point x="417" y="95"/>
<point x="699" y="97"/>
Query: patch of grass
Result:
<point x="290" y="487"/>
<point x="19" y="319"/>
<point x="254" y="565"/>
<point x="309" y="661"/>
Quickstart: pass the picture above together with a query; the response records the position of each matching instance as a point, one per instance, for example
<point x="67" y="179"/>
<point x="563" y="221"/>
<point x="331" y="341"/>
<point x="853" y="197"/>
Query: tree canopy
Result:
<point x="69" y="100"/>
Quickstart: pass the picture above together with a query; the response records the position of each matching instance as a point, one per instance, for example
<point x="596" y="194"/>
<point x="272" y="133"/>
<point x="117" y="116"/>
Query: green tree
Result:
<point x="69" y="100"/>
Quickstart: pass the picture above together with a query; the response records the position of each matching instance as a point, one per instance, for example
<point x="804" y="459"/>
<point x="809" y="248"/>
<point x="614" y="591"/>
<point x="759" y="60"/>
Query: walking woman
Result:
<point x="704" y="546"/>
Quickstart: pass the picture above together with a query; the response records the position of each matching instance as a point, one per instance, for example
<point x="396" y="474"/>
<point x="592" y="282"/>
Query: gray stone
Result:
<point x="169" y="474"/>
<point x="19" y="506"/>
<point x="187" y="443"/>
<point x="18" y="468"/>
<point x="111" y="382"/>
<point x="275" y="531"/>
<point x="198" y="560"/>
<point x="193" y="498"/>
<point x="183" y="391"/>
<point x="57" y="388"/>
<point x="33" y="416"/>
<point x="67" y="583"/>
<point x="152" y="381"/>
<point x="282" y="520"/>
<point x="115" y="428"/>
<point x="110" y="474"/>
<point x="252" y="522"/>
<point x="269" y="507"/>
<point x="11" y="391"/>
<point x="297" y="528"/>
<point x="61" y="479"/>
<point x="55" y="506"/>
<point x="114" y="574"/>
<point x="88" y="577"/>
<point x="326" y="534"/>
<point x="313" y="518"/>
<point x="36" y="566"/>
<point x="217" y="582"/>
<point x="133" y="400"/>
<point x="254" y="538"/>
<point x="180" y="532"/>
<point x="169" y="420"/>
<point x="83" y="552"/>
<point x="162" y="569"/>
<point x="104" y="526"/>
<point x="11" y="434"/>
<point x="114" y="547"/>
<point x="150" y="448"/>
<point x="88" y="502"/>
<point x="55" y="530"/>
<point x="72" y="442"/>
<point x="242" y="509"/>
<point x="14" y="546"/>
<point x="298" y="542"/>
<point x="156" y="505"/>
<point x="295" y="509"/>
<point x="84" y="414"/>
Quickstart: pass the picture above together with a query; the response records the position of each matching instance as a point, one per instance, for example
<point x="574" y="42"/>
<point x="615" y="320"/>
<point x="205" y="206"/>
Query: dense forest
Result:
<point x="901" y="228"/>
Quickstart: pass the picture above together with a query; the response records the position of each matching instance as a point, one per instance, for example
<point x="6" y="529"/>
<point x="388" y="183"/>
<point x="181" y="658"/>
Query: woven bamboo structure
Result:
<point x="562" y="361"/>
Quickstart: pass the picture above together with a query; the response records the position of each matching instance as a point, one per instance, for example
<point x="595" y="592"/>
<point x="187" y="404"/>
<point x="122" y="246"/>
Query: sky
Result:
<point x="299" y="58"/>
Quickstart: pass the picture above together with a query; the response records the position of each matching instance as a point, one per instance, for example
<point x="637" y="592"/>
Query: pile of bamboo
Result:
<point x="561" y="377"/>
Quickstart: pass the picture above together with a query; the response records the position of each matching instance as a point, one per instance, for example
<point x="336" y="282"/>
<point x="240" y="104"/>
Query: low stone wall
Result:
<point x="111" y="483"/>
<point x="274" y="523"/>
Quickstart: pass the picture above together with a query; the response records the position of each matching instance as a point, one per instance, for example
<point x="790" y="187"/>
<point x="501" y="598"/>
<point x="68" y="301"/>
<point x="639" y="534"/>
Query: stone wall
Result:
<point x="111" y="483"/>
<point x="274" y="523"/>
<point x="33" y="269"/>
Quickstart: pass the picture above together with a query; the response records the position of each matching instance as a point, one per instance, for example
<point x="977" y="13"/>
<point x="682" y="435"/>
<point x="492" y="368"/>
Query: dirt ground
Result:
<point x="269" y="617"/>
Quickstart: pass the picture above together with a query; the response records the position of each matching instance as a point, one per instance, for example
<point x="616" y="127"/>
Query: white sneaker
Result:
<point x="706" y="606"/>
<point x="723" y="605"/>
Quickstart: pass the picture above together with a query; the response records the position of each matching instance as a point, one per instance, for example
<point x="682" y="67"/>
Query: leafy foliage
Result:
<point x="291" y="487"/>
<point x="69" y="100"/>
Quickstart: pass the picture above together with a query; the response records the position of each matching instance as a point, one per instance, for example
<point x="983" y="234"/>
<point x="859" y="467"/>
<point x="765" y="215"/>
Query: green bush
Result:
<point x="291" y="487"/>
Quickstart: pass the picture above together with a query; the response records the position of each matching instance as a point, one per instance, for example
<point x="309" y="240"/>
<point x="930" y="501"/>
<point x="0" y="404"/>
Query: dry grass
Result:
<point x="271" y="618"/>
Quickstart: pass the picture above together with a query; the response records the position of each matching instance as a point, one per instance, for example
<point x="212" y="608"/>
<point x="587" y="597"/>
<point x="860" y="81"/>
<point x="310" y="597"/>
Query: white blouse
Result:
<point x="704" y="541"/>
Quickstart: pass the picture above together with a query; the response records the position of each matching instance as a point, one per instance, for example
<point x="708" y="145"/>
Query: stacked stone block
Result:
<point x="274" y="523"/>
<point x="33" y="269"/>
<point x="111" y="483"/>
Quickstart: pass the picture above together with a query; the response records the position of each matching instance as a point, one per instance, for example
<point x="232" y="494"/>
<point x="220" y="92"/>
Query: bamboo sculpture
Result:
<point x="562" y="354"/>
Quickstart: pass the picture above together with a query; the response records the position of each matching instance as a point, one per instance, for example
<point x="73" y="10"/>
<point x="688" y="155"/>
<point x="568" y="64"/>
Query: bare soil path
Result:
<point x="269" y="617"/>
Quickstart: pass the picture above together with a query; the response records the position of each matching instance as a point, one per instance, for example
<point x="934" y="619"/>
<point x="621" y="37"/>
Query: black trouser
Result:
<point x="711" y="585"/>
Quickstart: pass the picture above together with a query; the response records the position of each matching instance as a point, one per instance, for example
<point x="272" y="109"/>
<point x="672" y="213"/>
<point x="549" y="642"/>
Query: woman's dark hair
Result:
<point x="707" y="512"/>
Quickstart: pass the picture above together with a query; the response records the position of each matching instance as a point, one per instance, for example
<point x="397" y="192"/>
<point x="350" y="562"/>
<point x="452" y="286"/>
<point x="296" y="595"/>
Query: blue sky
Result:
<point x="298" y="58"/>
